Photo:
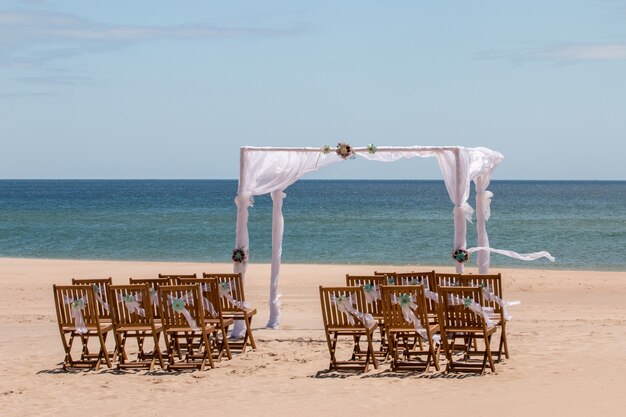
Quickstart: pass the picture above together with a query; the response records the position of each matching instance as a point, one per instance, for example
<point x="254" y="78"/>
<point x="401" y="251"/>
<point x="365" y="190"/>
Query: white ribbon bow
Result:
<point x="208" y="306"/>
<point x="345" y="305"/>
<point x="224" y="290"/>
<point x="179" y="306"/>
<point x="372" y="293"/>
<point x="77" y="305"/>
<point x="407" y="305"/>
<point x="131" y="301"/>
<point x="484" y="312"/>
<point x="489" y="295"/>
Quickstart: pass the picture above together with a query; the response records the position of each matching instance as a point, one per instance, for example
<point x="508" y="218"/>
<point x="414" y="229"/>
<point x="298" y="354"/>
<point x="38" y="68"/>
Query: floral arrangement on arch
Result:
<point x="345" y="151"/>
<point x="460" y="255"/>
<point x="240" y="255"/>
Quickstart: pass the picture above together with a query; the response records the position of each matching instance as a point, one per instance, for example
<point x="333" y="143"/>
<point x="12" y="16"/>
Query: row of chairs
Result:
<point x="417" y="314"/>
<point x="191" y="315"/>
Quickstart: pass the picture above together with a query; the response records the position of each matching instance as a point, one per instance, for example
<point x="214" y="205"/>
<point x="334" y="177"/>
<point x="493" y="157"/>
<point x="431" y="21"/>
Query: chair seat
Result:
<point x="104" y="327"/>
<point x="157" y="328"/>
<point x="350" y="330"/>
<point x="490" y="330"/>
<point x="238" y="314"/>
<point x="433" y="328"/>
<point x="187" y="329"/>
<point x="216" y="322"/>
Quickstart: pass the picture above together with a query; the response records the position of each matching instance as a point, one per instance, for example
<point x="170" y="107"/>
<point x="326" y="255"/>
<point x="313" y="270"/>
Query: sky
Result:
<point x="163" y="89"/>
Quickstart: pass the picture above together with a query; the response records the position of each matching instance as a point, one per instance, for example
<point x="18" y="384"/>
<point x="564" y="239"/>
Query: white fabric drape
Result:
<point x="278" y="224"/>
<point x="482" y="178"/>
<point x="262" y="171"/>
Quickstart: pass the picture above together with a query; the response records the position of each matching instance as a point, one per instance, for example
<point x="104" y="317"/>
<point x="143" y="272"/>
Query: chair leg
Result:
<point x="370" y="350"/>
<point x="248" y="320"/>
<point x="489" y="356"/>
<point x="503" y="340"/>
<point x="103" y="348"/>
<point x="157" y="349"/>
<point x="225" y="343"/>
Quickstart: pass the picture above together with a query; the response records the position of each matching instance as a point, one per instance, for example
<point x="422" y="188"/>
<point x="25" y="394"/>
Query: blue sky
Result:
<point x="162" y="89"/>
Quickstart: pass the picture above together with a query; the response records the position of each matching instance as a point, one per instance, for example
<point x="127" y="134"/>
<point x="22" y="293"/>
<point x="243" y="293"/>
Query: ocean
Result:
<point x="582" y="223"/>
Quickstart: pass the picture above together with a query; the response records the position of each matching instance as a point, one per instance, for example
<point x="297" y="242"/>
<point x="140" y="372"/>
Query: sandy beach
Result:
<point x="567" y="342"/>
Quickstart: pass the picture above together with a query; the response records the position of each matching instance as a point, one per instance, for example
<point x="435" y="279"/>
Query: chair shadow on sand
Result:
<point x="344" y="374"/>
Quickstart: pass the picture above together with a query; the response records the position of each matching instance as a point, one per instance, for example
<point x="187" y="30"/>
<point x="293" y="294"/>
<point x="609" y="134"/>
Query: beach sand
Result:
<point x="567" y="341"/>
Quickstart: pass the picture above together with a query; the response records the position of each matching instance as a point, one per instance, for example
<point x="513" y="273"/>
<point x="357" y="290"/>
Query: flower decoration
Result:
<point x="178" y="305"/>
<point x="240" y="255"/>
<point x="391" y="281"/>
<point x="460" y="255"/>
<point x="405" y="300"/>
<point x="468" y="301"/>
<point x="371" y="148"/>
<point x="369" y="287"/>
<point x="345" y="151"/>
<point x="325" y="149"/>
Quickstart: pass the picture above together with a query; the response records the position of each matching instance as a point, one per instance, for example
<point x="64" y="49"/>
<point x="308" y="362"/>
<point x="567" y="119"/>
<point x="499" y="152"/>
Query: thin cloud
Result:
<point x="561" y="54"/>
<point x="26" y="95"/>
<point x="32" y="39"/>
<point x="56" y="80"/>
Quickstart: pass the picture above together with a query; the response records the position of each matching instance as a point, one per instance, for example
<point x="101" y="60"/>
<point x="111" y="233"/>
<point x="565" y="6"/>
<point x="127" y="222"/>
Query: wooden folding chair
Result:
<point x="153" y="284"/>
<point x="406" y="318"/>
<point x="371" y="285"/>
<point x="182" y="317"/>
<point x="234" y="306"/>
<point x="175" y="278"/>
<point x="460" y="317"/>
<point x="77" y="315"/>
<point x="343" y="316"/>
<point x="131" y="311"/>
<point x="492" y="284"/>
<point x="213" y="313"/>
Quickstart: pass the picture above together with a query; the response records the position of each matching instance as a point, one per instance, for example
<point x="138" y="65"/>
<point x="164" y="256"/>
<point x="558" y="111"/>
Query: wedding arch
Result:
<point x="269" y="170"/>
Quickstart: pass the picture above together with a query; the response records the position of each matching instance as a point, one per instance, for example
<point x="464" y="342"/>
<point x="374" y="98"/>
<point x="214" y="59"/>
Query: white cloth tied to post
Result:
<point x="179" y="305"/>
<point x="208" y="306"/>
<point x="372" y="293"/>
<point x="485" y="312"/>
<point x="131" y="301"/>
<point x="345" y="305"/>
<point x="98" y="292"/>
<point x="511" y="254"/>
<point x="407" y="305"/>
<point x="224" y="290"/>
<point x="77" y="305"/>
<point x="489" y="295"/>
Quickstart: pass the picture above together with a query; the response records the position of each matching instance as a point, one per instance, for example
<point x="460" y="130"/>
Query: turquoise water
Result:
<point x="582" y="223"/>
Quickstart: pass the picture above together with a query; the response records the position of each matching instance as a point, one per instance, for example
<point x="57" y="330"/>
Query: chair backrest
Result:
<point x="493" y="282"/>
<point x="131" y="305"/>
<point x="334" y="315"/>
<point x="420" y="278"/>
<point x="453" y="313"/>
<point x="392" y="298"/>
<point x="209" y="290"/>
<point x="371" y="285"/>
<point x="236" y="290"/>
<point x="175" y="278"/>
<point x="181" y="306"/>
<point x="153" y="284"/>
<point x="100" y="287"/>
<point x="447" y="279"/>
<point x="72" y="301"/>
